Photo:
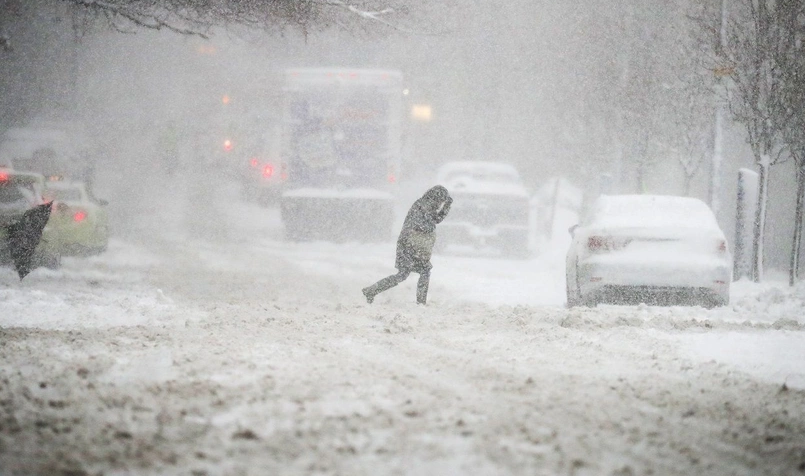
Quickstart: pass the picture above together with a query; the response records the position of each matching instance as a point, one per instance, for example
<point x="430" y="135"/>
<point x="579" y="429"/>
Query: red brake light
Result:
<point x="3" y="177"/>
<point x="392" y="178"/>
<point x="254" y="163"/>
<point x="227" y="145"/>
<point x="268" y="171"/>
<point x="80" y="215"/>
<point x="606" y="243"/>
<point x="595" y="243"/>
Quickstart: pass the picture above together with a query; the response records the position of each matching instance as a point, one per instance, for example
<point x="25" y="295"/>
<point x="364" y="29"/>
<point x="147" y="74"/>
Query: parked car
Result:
<point x="490" y="207"/>
<point x="80" y="222"/>
<point x="648" y="249"/>
<point x="19" y="192"/>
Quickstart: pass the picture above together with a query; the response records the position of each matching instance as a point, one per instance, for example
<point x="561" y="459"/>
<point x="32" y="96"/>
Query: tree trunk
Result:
<point x="793" y="271"/>
<point x="760" y="220"/>
<point x="689" y="185"/>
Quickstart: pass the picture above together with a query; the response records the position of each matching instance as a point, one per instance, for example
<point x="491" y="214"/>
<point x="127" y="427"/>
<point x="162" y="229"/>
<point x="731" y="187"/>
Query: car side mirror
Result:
<point x="103" y="202"/>
<point x="572" y="229"/>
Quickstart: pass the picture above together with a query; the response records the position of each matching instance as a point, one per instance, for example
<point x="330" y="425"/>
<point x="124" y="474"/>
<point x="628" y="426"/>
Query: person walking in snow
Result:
<point x="415" y="244"/>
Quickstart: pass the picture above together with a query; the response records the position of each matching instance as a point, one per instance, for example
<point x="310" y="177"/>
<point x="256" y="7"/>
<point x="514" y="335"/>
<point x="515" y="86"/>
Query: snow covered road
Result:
<point x="242" y="354"/>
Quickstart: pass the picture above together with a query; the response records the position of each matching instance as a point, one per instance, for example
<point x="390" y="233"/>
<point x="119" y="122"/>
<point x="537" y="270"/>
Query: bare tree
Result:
<point x="792" y="121"/>
<point x="198" y="18"/>
<point x="757" y="44"/>
<point x="615" y="115"/>
<point x="693" y="124"/>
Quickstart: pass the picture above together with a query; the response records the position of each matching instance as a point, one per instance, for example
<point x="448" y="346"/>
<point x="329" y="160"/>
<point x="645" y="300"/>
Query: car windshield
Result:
<point x="63" y="194"/>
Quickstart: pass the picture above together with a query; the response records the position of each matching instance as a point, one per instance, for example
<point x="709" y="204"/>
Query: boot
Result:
<point x="367" y="292"/>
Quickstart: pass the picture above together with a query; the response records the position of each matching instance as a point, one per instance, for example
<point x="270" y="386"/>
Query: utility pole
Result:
<point x="718" y="133"/>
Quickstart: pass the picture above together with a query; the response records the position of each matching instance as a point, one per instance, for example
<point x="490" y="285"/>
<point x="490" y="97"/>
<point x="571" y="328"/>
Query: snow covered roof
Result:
<point x="652" y="211"/>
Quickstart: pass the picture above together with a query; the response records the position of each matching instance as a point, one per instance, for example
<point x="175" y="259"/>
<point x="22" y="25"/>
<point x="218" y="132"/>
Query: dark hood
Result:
<point x="436" y="194"/>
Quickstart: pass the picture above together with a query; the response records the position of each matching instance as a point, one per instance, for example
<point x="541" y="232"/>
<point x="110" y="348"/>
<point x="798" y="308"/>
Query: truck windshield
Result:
<point x="338" y="136"/>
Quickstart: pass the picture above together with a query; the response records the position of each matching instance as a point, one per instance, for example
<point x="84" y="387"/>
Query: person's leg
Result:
<point x="385" y="284"/>
<point x="422" y="286"/>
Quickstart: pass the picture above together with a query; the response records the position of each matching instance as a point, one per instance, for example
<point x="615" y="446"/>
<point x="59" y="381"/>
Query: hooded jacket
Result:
<point x="418" y="235"/>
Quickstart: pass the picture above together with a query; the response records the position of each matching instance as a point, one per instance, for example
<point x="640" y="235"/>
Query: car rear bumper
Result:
<point x="598" y="277"/>
<point x="71" y="238"/>
<point x="657" y="295"/>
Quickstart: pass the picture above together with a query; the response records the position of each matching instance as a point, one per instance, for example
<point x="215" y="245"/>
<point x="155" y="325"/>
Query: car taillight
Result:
<point x="3" y="177"/>
<point x="268" y="171"/>
<point x="598" y="244"/>
<point x="79" y="216"/>
<point x="254" y="163"/>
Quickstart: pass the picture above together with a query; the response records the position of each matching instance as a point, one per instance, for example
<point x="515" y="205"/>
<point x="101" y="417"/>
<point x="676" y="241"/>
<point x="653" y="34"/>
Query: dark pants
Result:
<point x="395" y="279"/>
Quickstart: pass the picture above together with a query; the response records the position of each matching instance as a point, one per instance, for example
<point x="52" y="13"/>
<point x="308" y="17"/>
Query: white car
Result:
<point x="648" y="249"/>
<point x="490" y="207"/>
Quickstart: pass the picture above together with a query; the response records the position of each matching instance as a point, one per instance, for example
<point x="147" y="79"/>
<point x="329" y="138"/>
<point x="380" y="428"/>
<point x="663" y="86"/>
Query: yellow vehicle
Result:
<point x="80" y="222"/>
<point x="19" y="192"/>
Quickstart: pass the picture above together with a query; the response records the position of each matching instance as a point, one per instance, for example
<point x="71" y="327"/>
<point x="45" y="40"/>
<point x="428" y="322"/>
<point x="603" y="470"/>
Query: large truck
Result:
<point x="340" y="153"/>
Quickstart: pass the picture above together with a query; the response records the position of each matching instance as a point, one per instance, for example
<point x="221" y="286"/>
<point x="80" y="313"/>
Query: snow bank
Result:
<point x="103" y="291"/>
<point x="772" y="301"/>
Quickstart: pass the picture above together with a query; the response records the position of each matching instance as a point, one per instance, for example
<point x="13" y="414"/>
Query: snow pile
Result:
<point x="772" y="302"/>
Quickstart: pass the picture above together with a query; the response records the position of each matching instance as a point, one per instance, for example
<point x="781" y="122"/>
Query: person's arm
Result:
<point x="444" y="209"/>
<point x="420" y="219"/>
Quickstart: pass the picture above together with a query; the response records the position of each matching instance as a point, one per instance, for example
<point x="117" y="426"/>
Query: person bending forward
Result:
<point x="415" y="244"/>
